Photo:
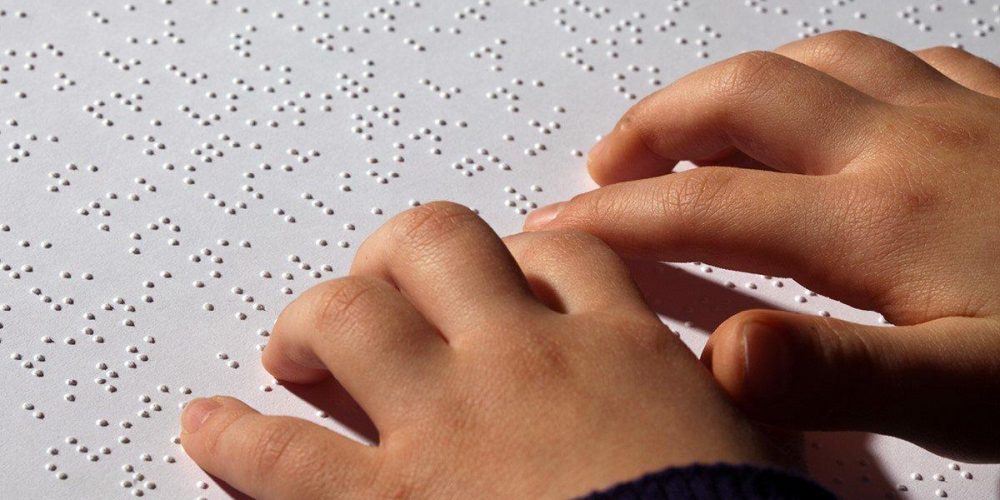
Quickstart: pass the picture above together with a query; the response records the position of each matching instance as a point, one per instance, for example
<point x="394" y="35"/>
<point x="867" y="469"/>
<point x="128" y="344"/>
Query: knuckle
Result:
<point x="342" y="301"/>
<point x="837" y="47"/>
<point x="273" y="452"/>
<point x="943" y="53"/>
<point x="689" y="199"/>
<point x="547" y="358"/>
<point x="423" y="225"/>
<point x="747" y="74"/>
<point x="842" y="40"/>
<point x="563" y="243"/>
<point x="601" y="205"/>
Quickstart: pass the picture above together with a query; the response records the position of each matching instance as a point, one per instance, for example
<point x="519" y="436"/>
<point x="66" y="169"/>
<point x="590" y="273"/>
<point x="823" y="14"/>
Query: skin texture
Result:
<point x="867" y="173"/>
<point x="526" y="368"/>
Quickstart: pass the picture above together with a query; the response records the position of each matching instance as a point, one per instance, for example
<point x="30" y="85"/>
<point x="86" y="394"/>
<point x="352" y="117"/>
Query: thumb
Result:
<point x="936" y="384"/>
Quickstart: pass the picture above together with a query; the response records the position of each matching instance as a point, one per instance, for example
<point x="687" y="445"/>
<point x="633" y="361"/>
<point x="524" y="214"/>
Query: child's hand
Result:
<point x="868" y="173"/>
<point x="542" y="374"/>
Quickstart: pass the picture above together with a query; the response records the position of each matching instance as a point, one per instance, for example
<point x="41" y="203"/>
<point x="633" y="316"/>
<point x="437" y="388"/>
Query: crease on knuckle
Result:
<point x="340" y="301"/>
<point x="564" y="243"/>
<point x="836" y="48"/>
<point x="429" y="224"/>
<point x="748" y="75"/>
<point x="849" y="347"/>
<point x="592" y="210"/>
<point x="942" y="53"/>
<point x="691" y="199"/>
<point x="272" y="452"/>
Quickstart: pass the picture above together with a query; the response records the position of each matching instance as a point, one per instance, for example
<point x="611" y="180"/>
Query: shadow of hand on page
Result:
<point x="331" y="397"/>
<point x="683" y="296"/>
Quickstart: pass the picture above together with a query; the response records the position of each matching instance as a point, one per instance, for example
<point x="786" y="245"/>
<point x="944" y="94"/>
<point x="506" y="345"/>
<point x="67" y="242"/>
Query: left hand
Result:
<point x="523" y="368"/>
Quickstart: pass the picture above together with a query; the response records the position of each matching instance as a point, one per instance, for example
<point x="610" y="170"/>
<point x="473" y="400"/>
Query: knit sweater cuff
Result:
<point x="712" y="482"/>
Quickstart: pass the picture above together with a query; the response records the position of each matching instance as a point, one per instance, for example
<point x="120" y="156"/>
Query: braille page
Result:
<point x="174" y="172"/>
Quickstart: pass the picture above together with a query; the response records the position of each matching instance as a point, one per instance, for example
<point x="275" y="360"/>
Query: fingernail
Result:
<point x="767" y="361"/>
<point x="541" y="217"/>
<point x="196" y="412"/>
<point x="598" y="148"/>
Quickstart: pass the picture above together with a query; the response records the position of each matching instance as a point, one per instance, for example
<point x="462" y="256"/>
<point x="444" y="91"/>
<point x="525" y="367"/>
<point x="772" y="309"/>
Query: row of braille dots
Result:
<point x="122" y="65"/>
<point x="353" y="88"/>
<point x="467" y="166"/>
<point x="214" y="274"/>
<point x="232" y="363"/>
<point x="982" y="27"/>
<point x="183" y="75"/>
<point x="518" y="201"/>
<point x="94" y="109"/>
<point x="364" y="125"/>
<point x="340" y="243"/>
<point x="30" y="66"/>
<point x="137" y="482"/>
<point x="95" y="205"/>
<point x="207" y="152"/>
<point x="149" y="150"/>
<point x="634" y="28"/>
<point x="174" y="37"/>
<point x="23" y="243"/>
<point x="152" y="406"/>
<point x="246" y="297"/>
<point x="82" y="449"/>
<point x="568" y="27"/>
<point x="940" y="492"/>
<point x="241" y="43"/>
<point x="196" y="116"/>
<point x="593" y="13"/>
<point x="909" y="14"/>
<point x="760" y="6"/>
<point x="322" y="15"/>
<point x="306" y="266"/>
<point x="98" y="17"/>
<point x="487" y="51"/>
<point x="20" y="152"/>
<point x="45" y="299"/>
<point x="632" y="68"/>
<point x="801" y="298"/>
<point x="31" y="366"/>
<point x="319" y="204"/>
<point x="375" y="13"/>
<point x="420" y="134"/>
<point x="437" y="89"/>
<point x="574" y="55"/>
<point x="230" y="96"/>
<point x="323" y="40"/>
<point x="700" y="42"/>
<point x="64" y="81"/>
<point x="511" y="96"/>
<point x="470" y="13"/>
<point x="20" y="14"/>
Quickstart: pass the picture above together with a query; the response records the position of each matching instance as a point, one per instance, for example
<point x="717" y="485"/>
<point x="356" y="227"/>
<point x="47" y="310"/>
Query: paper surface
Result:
<point x="175" y="172"/>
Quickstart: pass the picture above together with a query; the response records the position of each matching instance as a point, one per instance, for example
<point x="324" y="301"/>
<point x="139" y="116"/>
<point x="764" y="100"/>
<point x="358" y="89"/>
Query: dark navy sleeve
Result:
<point x="716" y="482"/>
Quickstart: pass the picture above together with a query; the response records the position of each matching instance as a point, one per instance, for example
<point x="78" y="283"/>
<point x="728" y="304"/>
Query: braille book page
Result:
<point x="174" y="172"/>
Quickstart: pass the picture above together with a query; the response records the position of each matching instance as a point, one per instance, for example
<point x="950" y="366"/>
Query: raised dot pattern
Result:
<point x="174" y="173"/>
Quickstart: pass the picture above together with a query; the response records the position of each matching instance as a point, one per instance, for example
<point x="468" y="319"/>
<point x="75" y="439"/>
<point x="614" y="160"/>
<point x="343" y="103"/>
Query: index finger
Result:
<point x="780" y="112"/>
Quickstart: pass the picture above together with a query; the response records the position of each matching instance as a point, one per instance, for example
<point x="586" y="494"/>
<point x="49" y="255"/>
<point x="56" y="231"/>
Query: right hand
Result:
<point x="867" y="173"/>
